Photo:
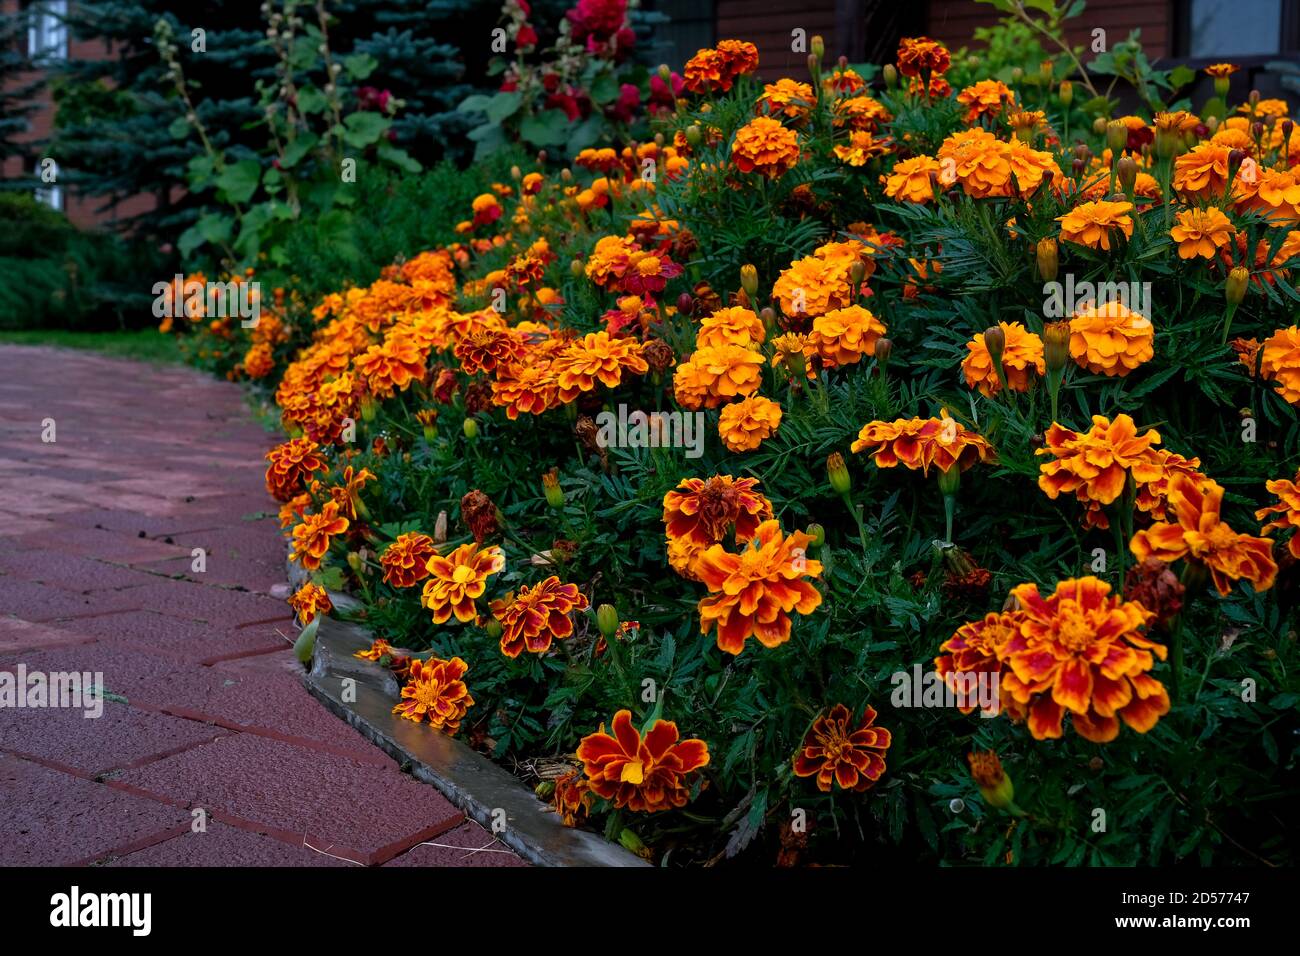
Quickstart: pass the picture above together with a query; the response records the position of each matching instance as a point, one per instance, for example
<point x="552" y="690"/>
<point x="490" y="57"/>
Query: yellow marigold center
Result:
<point x="1074" y="630"/>
<point x="633" y="771"/>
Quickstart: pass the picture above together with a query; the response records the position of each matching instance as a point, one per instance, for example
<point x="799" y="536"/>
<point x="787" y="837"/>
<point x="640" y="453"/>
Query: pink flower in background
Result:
<point x="596" y="18"/>
<point x="625" y="107"/>
<point x="373" y="99"/>
<point x="662" y="96"/>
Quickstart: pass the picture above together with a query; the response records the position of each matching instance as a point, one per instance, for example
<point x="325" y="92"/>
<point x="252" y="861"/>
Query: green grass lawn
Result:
<point x="147" y="345"/>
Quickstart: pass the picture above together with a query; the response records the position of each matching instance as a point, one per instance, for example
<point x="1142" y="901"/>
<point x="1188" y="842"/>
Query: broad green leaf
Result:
<point x="360" y="65"/>
<point x="239" y="180"/>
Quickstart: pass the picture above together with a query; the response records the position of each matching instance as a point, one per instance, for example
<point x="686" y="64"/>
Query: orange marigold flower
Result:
<point x="641" y="774"/>
<point x="1217" y="70"/>
<point x="861" y="113"/>
<point x="918" y="56"/>
<point x="1201" y="232"/>
<point x="1095" y="465"/>
<point x="309" y="601"/>
<point x="1023" y="350"/>
<point x="911" y="180"/>
<point x="979" y="160"/>
<point x="609" y="260"/>
<point x="1202" y="171"/>
<point x="763" y="145"/>
<point x="405" y="561"/>
<point x="753" y="592"/>
<point x="458" y="580"/>
<point x="1081" y="650"/>
<point x="435" y="691"/>
<point x="392" y="365"/>
<point x="348" y="493"/>
<point x="1201" y="536"/>
<point x="537" y="616"/>
<point x="730" y="326"/>
<point x="716" y="374"/>
<point x="292" y="463"/>
<point x="921" y="442"/>
<point x="985" y="98"/>
<point x="843" y="336"/>
<point x="596" y="357"/>
<point x="976" y="648"/>
<point x="701" y="510"/>
<point x="572" y="799"/>
<point x="862" y="147"/>
<point x="1287" y="511"/>
<point x="836" y="751"/>
<point x="1109" y="339"/>
<point x="745" y="424"/>
<point x="741" y="56"/>
<point x="311" y="539"/>
<point x="1092" y="223"/>
<point x="787" y="97"/>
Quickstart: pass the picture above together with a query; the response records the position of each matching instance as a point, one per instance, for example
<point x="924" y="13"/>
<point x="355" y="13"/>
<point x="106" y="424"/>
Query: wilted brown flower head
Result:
<point x="1153" y="585"/>
<point x="480" y="515"/>
<point x="659" y="355"/>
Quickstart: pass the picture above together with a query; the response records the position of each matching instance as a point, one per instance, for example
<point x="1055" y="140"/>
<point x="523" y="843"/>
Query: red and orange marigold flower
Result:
<point x="311" y="538"/>
<point x="701" y="510"/>
<point x="642" y="774"/>
<point x="976" y="648"/>
<point x="764" y="146"/>
<point x="292" y="464"/>
<point x="752" y="593"/>
<point x="920" y="443"/>
<point x="435" y="691"/>
<point x="1081" y="651"/>
<point x="1286" y="511"/>
<point x="457" y="580"/>
<point x="405" y="561"/>
<point x="838" y="751"/>
<point x="309" y="601"/>
<point x="1201" y="536"/>
<point x="537" y="616"/>
<point x="920" y="56"/>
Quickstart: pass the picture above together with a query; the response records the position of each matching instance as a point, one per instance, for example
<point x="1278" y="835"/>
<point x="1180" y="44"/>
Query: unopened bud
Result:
<point x="994" y="784"/>
<point x="884" y="349"/>
<point x="749" y="280"/>
<point x="1056" y="345"/>
<point x="1235" y="285"/>
<point x="1116" y="137"/>
<point x="1066" y="93"/>
<point x="575" y="267"/>
<point x="551" y="488"/>
<point x="694" y="136"/>
<point x="818" y="535"/>
<point x="493" y="628"/>
<point x="607" y="621"/>
<point x="666" y="74"/>
<point x="1048" y="258"/>
<point x="995" y="341"/>
<point x="890" y="73"/>
<point x="470" y="428"/>
<point x="1126" y="171"/>
<point x="818" y="47"/>
<point x="685" y="303"/>
<point x="838" y="473"/>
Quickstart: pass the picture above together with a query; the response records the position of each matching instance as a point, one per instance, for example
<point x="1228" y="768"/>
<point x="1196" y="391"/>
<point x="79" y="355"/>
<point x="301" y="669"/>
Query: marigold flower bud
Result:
<point x="995" y="340"/>
<point x="368" y="408"/>
<point x="839" y="473"/>
<point x="890" y="73"/>
<point x="493" y="629"/>
<point x="994" y="784"/>
<point x="551" y="488"/>
<point x="470" y="428"/>
<point x="666" y="73"/>
<point x="1235" y="158"/>
<point x="884" y="349"/>
<point x="749" y="280"/>
<point x="516" y="172"/>
<point x="575" y="267"/>
<point x="813" y="64"/>
<point x="1234" y="287"/>
<point x="857" y="271"/>
<point x="685" y="303"/>
<point x="1126" y="171"/>
<point x="1066" y="93"/>
<point x="607" y="621"/>
<point x="430" y="431"/>
<point x="1049" y="260"/>
<point x="694" y="136"/>
<point x="1056" y="345"/>
<point x="1116" y="136"/>
<point x="354" y="562"/>
<point x="1254" y="98"/>
<point x="1017" y="74"/>
<point x="817" y="533"/>
<point x="440" y="528"/>
<point x="1099" y="124"/>
<point x="818" y="47"/>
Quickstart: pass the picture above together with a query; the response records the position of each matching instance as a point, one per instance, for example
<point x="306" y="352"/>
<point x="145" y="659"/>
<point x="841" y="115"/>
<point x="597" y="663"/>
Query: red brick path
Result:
<point x="96" y="538"/>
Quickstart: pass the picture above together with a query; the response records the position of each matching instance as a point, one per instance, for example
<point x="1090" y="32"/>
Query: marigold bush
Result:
<point x="572" y="460"/>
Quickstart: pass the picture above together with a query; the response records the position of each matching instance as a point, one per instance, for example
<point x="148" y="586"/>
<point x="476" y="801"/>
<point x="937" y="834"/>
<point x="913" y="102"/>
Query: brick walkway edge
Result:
<point x="208" y="751"/>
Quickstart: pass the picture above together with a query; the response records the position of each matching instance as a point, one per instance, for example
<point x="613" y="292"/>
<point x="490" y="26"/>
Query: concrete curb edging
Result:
<point x="471" y="781"/>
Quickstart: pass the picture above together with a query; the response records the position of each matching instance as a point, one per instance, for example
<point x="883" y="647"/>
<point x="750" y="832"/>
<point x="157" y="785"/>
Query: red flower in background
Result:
<point x="372" y="99"/>
<point x="624" y="109"/>
<point x="599" y="19"/>
<point x="663" y="96"/>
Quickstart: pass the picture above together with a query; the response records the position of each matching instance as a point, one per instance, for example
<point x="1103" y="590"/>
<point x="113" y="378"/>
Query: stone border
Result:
<point x="471" y="781"/>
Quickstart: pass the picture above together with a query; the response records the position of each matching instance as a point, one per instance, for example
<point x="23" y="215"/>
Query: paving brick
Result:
<point x="341" y="806"/>
<point x="467" y="845"/>
<point x="18" y="637"/>
<point x="55" y="819"/>
<point x="187" y="641"/>
<point x="41" y="602"/>
<point x="69" y="571"/>
<point x="222" y="846"/>
<point x="120" y="737"/>
<point x="202" y="602"/>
